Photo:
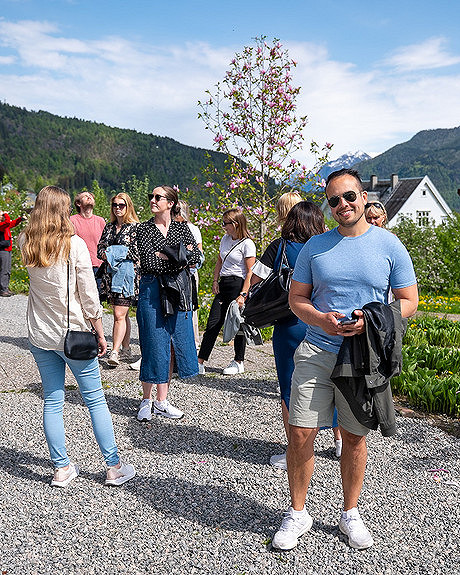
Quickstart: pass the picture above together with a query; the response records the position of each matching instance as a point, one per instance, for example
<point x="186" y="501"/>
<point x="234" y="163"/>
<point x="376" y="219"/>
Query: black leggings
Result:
<point x="229" y="289"/>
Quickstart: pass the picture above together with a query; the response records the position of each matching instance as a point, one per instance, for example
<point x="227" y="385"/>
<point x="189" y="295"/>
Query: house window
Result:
<point x="424" y="192"/>
<point x="423" y="219"/>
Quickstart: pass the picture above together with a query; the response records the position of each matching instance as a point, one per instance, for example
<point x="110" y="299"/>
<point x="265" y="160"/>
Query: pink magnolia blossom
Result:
<point x="209" y="184"/>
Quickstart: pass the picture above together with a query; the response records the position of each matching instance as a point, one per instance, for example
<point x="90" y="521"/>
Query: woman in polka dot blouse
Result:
<point x="163" y="337"/>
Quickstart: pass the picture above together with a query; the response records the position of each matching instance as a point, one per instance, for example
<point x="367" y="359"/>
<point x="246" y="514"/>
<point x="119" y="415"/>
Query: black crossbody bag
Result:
<point x="268" y="300"/>
<point x="78" y="344"/>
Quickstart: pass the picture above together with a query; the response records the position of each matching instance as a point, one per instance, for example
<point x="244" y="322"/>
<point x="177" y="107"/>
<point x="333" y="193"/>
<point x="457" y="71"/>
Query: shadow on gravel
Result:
<point x="21" y="342"/>
<point x="212" y="506"/>
<point x="17" y="463"/>
<point x="165" y="437"/>
<point x="242" y="385"/>
<point x="176" y="437"/>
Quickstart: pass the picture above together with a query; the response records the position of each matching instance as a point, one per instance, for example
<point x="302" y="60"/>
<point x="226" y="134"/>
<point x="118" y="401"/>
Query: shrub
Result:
<point x="434" y="252"/>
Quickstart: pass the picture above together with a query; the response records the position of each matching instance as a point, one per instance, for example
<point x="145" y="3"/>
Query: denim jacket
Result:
<point x="121" y="269"/>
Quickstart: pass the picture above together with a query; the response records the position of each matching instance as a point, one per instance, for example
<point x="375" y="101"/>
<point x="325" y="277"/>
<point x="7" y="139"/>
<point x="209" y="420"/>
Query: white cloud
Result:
<point x="155" y="88"/>
<point x="427" y="55"/>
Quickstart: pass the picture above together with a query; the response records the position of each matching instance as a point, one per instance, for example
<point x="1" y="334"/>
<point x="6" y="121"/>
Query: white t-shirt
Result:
<point x="195" y="232"/>
<point x="199" y="240"/>
<point x="234" y="264"/>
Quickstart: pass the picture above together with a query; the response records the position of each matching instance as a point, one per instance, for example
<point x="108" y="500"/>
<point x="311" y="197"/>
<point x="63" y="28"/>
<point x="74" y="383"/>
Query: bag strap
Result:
<point x="68" y="292"/>
<point x="281" y="257"/>
<point x="231" y="249"/>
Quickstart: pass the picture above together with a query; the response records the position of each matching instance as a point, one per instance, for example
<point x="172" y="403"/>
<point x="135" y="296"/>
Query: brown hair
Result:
<point x="172" y="196"/>
<point x="238" y="219"/>
<point x="285" y="202"/>
<point x="47" y="235"/>
<point x="303" y="221"/>
<point x="130" y="216"/>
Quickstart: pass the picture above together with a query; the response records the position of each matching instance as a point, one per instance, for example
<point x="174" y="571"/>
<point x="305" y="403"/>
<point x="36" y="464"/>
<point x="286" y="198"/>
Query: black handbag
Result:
<point x="268" y="300"/>
<point x="78" y="344"/>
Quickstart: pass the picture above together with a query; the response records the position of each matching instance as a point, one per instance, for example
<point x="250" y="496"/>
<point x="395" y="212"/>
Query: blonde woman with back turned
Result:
<point x="50" y="249"/>
<point x="284" y="204"/>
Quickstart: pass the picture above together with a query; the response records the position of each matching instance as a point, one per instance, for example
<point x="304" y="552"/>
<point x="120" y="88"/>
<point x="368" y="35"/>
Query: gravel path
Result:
<point x="204" y="500"/>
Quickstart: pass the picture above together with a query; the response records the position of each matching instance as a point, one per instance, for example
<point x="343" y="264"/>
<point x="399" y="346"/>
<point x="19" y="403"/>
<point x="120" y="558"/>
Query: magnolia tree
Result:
<point x="252" y="116"/>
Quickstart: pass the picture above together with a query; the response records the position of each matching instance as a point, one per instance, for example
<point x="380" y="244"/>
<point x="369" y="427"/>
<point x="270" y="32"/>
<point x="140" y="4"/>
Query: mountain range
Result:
<point x="435" y="153"/>
<point x="38" y="147"/>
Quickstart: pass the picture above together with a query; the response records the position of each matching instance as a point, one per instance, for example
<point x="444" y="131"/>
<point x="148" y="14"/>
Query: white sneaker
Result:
<point x="233" y="368"/>
<point x="145" y="410"/>
<point x="165" y="409"/>
<point x="113" y="358"/>
<point x="292" y="527"/>
<point x="353" y="527"/>
<point x="201" y="369"/>
<point x="63" y="478"/>
<point x="279" y="461"/>
<point x="119" y="475"/>
<point x="338" y="447"/>
<point x="136" y="365"/>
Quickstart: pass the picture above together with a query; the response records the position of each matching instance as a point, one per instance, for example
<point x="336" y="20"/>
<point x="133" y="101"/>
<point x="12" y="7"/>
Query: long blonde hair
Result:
<point x="130" y="216"/>
<point x="47" y="235"/>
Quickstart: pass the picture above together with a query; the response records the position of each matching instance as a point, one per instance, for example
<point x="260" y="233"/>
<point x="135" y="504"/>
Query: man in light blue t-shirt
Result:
<point x="337" y="273"/>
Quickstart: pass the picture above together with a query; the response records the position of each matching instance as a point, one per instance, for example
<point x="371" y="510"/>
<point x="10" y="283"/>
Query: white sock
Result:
<point x="296" y="513"/>
<point x="347" y="514"/>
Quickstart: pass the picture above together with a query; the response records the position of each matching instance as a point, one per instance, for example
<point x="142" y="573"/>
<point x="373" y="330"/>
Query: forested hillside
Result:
<point x="37" y="147"/>
<point x="435" y="153"/>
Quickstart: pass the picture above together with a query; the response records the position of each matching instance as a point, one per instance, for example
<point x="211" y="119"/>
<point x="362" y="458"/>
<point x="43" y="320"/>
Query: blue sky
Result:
<point x="372" y="73"/>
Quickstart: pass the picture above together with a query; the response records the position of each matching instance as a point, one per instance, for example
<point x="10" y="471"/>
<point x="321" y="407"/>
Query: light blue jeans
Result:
<point x="51" y="365"/>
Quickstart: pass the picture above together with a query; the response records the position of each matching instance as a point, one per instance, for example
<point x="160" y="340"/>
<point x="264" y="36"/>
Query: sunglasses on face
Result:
<point x="157" y="197"/>
<point x="375" y="204"/>
<point x="121" y="206"/>
<point x="224" y="223"/>
<point x="350" y="197"/>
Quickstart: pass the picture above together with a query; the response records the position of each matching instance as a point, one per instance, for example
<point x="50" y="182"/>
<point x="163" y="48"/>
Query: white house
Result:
<point x="415" y="198"/>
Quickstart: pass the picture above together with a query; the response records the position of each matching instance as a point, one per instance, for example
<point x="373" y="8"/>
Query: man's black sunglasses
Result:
<point x="350" y="196"/>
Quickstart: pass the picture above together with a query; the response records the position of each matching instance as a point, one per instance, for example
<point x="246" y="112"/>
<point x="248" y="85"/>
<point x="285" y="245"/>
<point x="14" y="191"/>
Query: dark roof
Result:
<point x="393" y="198"/>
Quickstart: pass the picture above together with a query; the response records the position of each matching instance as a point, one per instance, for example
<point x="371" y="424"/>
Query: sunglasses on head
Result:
<point x="350" y="196"/>
<point x="157" y="197"/>
<point x="375" y="204"/>
<point x="115" y="205"/>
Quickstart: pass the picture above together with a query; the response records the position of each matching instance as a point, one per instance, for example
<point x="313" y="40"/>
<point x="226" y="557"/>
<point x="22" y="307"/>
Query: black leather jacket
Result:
<point x="367" y="362"/>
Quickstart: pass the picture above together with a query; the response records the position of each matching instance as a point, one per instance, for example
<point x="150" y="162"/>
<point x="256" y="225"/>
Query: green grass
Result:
<point x="430" y="379"/>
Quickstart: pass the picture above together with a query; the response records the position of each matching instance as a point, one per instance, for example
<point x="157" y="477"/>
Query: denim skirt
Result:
<point x="157" y="333"/>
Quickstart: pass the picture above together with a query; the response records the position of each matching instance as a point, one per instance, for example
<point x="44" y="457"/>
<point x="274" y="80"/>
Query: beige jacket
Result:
<point x="47" y="306"/>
